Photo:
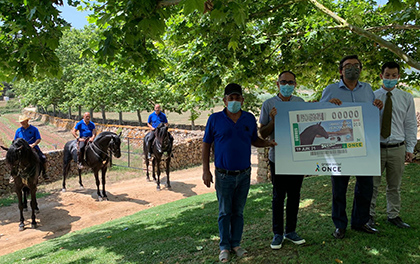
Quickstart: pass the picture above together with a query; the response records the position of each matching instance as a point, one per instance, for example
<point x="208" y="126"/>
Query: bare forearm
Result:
<point x="205" y="155"/>
<point x="266" y="130"/>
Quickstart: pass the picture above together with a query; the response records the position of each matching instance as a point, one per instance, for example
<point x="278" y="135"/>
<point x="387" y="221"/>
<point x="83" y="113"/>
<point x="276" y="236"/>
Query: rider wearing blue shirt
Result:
<point x="153" y="121"/>
<point x="87" y="132"/>
<point x="32" y="136"/>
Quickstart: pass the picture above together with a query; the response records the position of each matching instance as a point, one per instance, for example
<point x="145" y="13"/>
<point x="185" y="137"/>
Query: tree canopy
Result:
<point x="191" y="48"/>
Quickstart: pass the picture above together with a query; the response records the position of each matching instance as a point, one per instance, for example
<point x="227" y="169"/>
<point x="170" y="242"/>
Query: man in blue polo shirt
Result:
<point x="232" y="131"/>
<point x="31" y="134"/>
<point x="87" y="132"/>
<point x="153" y="121"/>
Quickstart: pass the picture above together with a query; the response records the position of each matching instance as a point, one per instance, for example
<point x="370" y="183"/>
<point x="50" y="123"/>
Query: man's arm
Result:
<point x="150" y="126"/>
<point x="74" y="132"/>
<point x="205" y="155"/>
<point x="261" y="143"/>
<point x="35" y="143"/>
<point x="410" y="130"/>
<point x="266" y="130"/>
<point x="93" y="135"/>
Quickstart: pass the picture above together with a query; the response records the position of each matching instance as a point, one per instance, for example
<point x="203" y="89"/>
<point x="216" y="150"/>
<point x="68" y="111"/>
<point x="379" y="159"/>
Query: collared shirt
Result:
<point x="85" y="130"/>
<point x="232" y="141"/>
<point x="265" y="116"/>
<point x="361" y="93"/>
<point x="404" y="120"/>
<point x="155" y="119"/>
<point x="30" y="134"/>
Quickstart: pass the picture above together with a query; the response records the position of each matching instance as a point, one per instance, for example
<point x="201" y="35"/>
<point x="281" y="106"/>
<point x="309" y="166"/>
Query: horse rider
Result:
<point x="153" y="121"/>
<point x="31" y="134"/>
<point x="87" y="132"/>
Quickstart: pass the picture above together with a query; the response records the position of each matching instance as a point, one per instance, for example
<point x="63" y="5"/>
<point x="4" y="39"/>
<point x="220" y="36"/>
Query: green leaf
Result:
<point x="191" y="5"/>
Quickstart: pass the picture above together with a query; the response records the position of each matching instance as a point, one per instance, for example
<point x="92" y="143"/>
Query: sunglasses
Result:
<point x="283" y="82"/>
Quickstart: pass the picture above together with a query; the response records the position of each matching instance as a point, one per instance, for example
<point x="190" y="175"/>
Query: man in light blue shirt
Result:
<point x="283" y="185"/>
<point x="349" y="89"/>
<point x="397" y="144"/>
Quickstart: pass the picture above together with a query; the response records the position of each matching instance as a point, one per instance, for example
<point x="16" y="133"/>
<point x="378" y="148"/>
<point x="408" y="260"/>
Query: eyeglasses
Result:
<point x="349" y="66"/>
<point x="283" y="82"/>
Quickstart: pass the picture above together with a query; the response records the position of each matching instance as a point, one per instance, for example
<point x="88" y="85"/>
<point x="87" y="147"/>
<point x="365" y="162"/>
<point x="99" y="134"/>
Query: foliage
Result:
<point x="182" y="53"/>
<point x="186" y="231"/>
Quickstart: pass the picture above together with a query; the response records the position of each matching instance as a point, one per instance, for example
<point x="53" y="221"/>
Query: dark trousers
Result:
<point x="282" y="185"/>
<point x="361" y="202"/>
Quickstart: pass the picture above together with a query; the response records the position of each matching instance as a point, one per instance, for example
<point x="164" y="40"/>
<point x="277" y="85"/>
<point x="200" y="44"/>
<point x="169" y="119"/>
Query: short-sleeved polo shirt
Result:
<point x="155" y="119"/>
<point x="30" y="134"/>
<point x="85" y="130"/>
<point x="232" y="141"/>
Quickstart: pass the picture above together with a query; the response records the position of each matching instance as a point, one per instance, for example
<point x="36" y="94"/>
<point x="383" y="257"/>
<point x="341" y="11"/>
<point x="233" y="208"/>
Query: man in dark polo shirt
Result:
<point x="232" y="131"/>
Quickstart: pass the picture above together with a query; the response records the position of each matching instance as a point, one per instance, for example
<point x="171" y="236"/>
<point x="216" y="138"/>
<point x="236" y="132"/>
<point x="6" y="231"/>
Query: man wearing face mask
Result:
<point x="350" y="89"/>
<point x="283" y="185"/>
<point x="232" y="131"/>
<point x="398" y="140"/>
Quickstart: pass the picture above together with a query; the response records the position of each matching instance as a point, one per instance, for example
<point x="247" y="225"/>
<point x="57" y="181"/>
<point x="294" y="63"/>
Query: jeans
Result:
<point x="283" y="185"/>
<point x="232" y="192"/>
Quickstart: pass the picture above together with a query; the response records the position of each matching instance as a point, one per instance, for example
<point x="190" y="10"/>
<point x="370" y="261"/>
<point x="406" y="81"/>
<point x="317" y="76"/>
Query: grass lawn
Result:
<point x="186" y="231"/>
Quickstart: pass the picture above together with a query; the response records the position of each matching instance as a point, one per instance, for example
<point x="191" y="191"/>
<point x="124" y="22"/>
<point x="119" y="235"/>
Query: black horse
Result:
<point x="308" y="135"/>
<point x="98" y="154"/>
<point x="25" y="169"/>
<point x="163" y="142"/>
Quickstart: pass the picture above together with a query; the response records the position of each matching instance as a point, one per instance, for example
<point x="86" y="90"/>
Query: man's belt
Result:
<point x="392" y="145"/>
<point x="231" y="172"/>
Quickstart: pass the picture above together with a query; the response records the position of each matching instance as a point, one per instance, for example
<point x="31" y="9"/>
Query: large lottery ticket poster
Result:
<point x="325" y="139"/>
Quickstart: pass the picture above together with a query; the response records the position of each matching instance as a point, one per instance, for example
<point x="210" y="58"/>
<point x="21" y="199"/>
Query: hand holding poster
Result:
<point x="325" y="139"/>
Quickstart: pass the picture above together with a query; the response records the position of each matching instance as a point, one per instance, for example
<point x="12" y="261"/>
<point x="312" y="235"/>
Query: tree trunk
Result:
<point x="80" y="112"/>
<point x="103" y="114"/>
<point x="120" y="118"/>
<point x="69" y="112"/>
<point x="91" y="113"/>
<point x="54" y="113"/>
<point x="139" y="117"/>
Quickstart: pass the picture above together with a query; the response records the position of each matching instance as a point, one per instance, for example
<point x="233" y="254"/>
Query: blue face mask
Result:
<point x="234" y="106"/>
<point x="389" y="83"/>
<point x="287" y="90"/>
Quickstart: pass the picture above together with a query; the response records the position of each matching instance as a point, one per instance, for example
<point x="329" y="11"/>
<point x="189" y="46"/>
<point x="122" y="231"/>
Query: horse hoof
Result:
<point x="158" y="188"/>
<point x="169" y="187"/>
<point x="21" y="228"/>
<point x="63" y="190"/>
<point x="33" y="226"/>
<point x="105" y="199"/>
<point x="100" y="199"/>
<point x="81" y="187"/>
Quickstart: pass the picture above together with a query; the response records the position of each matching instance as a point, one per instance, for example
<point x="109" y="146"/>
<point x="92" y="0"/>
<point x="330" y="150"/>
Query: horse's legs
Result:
<point x="80" y="179"/>
<point x="19" y="190"/>
<point x="147" y="167"/>
<point x="66" y="169"/>
<point x="168" y="162"/>
<point x="156" y="162"/>
<point x="105" y="197"/>
<point x="25" y="200"/>
<point x="33" y="206"/>
<point x="95" y="172"/>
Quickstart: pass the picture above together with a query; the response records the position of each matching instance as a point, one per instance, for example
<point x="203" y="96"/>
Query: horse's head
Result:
<point x="19" y="151"/>
<point x="115" y="145"/>
<point x="321" y="130"/>
<point x="163" y="142"/>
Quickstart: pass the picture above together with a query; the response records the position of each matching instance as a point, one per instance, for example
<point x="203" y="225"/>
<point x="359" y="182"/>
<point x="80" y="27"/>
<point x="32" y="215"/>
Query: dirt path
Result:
<point x="62" y="213"/>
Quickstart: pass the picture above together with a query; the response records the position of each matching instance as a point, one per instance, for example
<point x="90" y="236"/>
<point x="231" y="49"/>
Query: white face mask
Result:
<point x="234" y="106"/>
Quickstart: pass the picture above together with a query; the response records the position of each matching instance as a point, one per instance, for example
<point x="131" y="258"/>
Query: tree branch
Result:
<point x="386" y="44"/>
<point x="165" y="3"/>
